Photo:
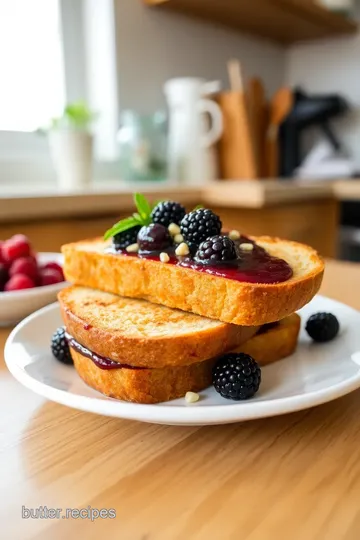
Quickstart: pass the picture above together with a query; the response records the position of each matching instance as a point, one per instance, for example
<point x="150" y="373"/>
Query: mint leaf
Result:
<point x="143" y="207"/>
<point x="121" y="226"/>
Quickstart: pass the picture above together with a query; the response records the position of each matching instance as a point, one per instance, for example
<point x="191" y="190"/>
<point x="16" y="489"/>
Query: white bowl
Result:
<point x="15" y="305"/>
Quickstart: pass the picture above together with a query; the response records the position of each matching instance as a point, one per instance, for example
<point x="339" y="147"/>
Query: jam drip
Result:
<point x="100" y="361"/>
<point x="255" y="266"/>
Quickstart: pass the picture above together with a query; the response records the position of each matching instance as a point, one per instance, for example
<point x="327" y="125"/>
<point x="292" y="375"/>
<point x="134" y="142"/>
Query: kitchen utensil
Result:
<point x="236" y="149"/>
<point x="258" y="120"/>
<point x="308" y="112"/>
<point x="190" y="145"/>
<point x="280" y="107"/>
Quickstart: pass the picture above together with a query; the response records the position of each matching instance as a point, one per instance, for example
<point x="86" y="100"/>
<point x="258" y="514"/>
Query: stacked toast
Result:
<point x="167" y="295"/>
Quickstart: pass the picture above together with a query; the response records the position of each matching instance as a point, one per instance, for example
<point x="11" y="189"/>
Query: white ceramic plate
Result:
<point x="315" y="374"/>
<point x="16" y="305"/>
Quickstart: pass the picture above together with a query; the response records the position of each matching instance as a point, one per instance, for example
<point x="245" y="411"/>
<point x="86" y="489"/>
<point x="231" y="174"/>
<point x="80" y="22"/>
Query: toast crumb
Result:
<point x="191" y="397"/>
<point x="246" y="247"/>
<point x="174" y="229"/>
<point x="133" y="248"/>
<point x="178" y="238"/>
<point x="234" y="235"/>
<point x="164" y="257"/>
<point x="182" y="249"/>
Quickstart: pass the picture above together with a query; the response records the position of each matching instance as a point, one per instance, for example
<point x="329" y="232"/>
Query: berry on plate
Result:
<point x="50" y="276"/>
<point x="60" y="347"/>
<point x="54" y="266"/>
<point x="18" y="283"/>
<point x="236" y="376"/>
<point x="154" y="237"/>
<point x="124" y="239"/>
<point x="4" y="276"/>
<point x="217" y="249"/>
<point x="200" y="225"/>
<point x="168" y="212"/>
<point x="24" y="265"/>
<point x="322" y="327"/>
<point x="16" y="247"/>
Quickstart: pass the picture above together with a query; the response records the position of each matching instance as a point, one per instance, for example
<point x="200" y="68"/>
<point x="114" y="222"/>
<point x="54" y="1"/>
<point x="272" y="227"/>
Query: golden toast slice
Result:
<point x="249" y="304"/>
<point x="163" y="384"/>
<point x="139" y="333"/>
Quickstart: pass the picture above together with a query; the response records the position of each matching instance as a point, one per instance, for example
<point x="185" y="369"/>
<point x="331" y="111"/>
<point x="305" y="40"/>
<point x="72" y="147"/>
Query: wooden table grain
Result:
<point x="293" y="477"/>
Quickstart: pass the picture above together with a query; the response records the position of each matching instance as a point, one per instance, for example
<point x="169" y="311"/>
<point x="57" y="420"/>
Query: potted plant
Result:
<point x="71" y="146"/>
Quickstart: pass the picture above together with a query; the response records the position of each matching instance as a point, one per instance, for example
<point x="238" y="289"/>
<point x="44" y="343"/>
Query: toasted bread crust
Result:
<point x="89" y="317"/>
<point x="157" y="385"/>
<point x="144" y="385"/>
<point x="276" y="343"/>
<point x="227" y="300"/>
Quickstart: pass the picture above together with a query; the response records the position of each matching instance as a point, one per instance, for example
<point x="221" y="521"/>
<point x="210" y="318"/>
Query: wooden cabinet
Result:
<point x="311" y="222"/>
<point x="284" y="21"/>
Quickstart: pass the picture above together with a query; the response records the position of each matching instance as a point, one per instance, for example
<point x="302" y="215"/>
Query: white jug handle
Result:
<point x="215" y="132"/>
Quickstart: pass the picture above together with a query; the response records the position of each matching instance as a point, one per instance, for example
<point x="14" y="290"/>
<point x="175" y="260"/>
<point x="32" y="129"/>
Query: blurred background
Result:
<point x="251" y="108"/>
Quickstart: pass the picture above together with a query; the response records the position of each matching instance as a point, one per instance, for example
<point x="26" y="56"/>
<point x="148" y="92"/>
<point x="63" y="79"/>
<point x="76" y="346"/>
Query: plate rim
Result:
<point x="188" y="414"/>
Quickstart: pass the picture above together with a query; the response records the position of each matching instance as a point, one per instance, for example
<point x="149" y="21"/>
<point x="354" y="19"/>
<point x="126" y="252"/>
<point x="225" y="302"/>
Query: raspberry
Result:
<point x="54" y="266"/>
<point x="19" y="282"/>
<point x="4" y="276"/>
<point x="200" y="225"/>
<point x="24" y="265"/>
<point x="18" y="246"/>
<point x="50" y="276"/>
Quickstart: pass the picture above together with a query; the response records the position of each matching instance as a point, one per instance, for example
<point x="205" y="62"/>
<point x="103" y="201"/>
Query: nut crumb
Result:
<point x="164" y="257"/>
<point x="247" y="247"/>
<point x="191" y="397"/>
<point x="174" y="229"/>
<point x="182" y="249"/>
<point x="234" y="235"/>
<point x="178" y="238"/>
<point x="133" y="248"/>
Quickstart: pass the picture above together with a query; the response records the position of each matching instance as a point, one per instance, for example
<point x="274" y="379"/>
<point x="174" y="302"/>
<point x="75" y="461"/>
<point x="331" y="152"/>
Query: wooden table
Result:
<point x="293" y="477"/>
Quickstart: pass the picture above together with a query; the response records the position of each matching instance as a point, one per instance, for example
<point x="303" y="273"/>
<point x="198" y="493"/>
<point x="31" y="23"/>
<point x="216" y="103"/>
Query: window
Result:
<point x="53" y="52"/>
<point x="32" y="88"/>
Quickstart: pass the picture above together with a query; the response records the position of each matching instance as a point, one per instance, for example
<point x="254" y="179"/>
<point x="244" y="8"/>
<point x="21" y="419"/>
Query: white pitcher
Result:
<point x="191" y="158"/>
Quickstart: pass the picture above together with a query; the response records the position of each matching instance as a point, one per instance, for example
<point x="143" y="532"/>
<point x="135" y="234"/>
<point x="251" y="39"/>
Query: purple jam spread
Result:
<point x="100" y="361"/>
<point x="255" y="266"/>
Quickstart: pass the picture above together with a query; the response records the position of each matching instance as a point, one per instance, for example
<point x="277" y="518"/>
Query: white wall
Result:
<point x="154" y="45"/>
<point x="331" y="66"/>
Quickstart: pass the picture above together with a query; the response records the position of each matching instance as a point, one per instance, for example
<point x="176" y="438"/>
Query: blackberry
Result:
<point x="124" y="239"/>
<point x="168" y="212"/>
<point x="217" y="249"/>
<point x="236" y="376"/>
<point x="200" y="225"/>
<point x="154" y="237"/>
<point x="60" y="347"/>
<point x="322" y="327"/>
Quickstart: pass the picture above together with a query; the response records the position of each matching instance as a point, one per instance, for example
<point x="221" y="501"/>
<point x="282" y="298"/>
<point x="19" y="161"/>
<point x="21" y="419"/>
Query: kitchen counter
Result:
<point x="296" y="476"/>
<point x="114" y="197"/>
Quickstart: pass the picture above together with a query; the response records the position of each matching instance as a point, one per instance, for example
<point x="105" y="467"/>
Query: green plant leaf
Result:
<point x="121" y="226"/>
<point x="142" y="205"/>
<point x="198" y="207"/>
